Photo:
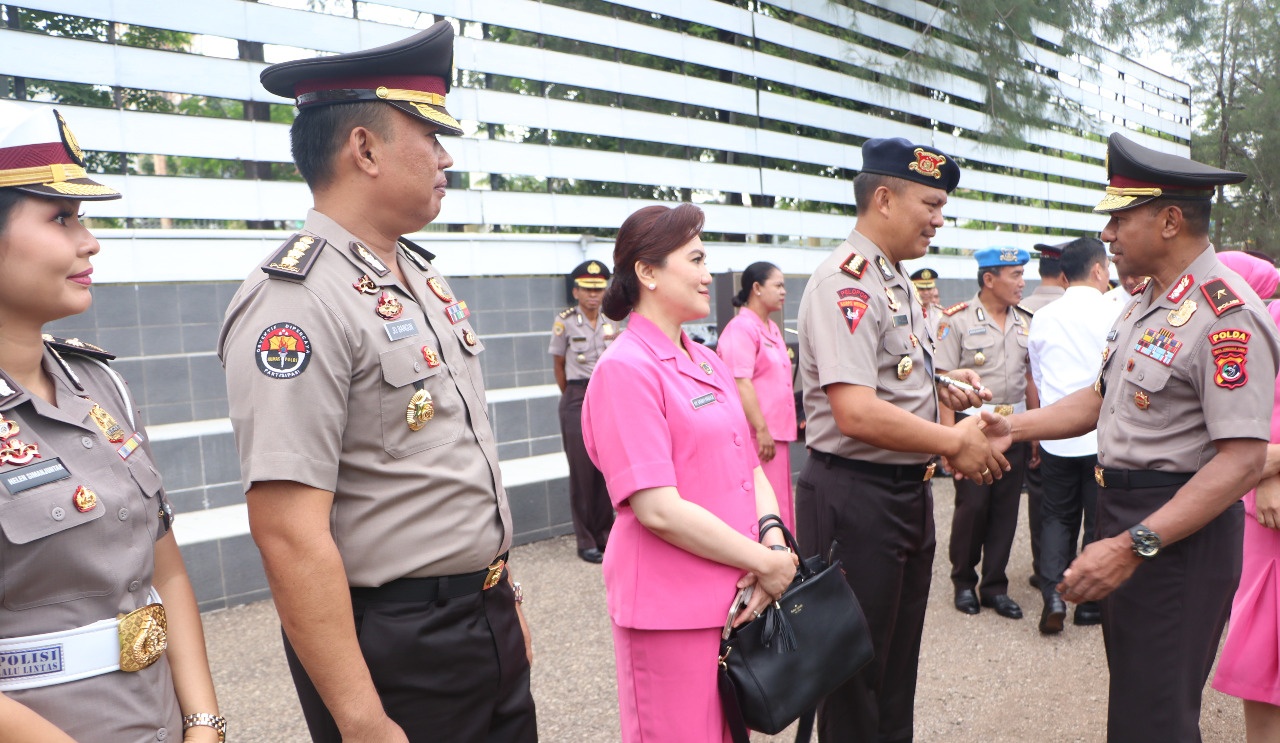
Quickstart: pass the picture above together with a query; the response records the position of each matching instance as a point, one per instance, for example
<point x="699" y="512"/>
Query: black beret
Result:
<point x="412" y="74"/>
<point x="902" y="159"/>
<point x="1139" y="174"/>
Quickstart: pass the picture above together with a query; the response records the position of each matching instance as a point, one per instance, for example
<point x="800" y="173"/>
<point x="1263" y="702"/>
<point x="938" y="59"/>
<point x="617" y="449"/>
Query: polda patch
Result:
<point x="283" y="351"/>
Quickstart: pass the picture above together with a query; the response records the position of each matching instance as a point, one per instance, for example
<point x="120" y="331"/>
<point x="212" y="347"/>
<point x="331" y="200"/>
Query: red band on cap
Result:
<point x="34" y="156"/>
<point x="423" y="83"/>
<point x="1120" y="181"/>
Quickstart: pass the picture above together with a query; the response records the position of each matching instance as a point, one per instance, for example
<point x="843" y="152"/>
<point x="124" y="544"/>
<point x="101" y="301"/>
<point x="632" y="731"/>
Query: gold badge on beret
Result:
<point x="420" y="410"/>
<point x="927" y="163"/>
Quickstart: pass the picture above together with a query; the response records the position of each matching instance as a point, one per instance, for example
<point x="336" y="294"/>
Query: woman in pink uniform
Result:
<point x="756" y="353"/>
<point x="663" y="423"/>
<point x="1249" y="667"/>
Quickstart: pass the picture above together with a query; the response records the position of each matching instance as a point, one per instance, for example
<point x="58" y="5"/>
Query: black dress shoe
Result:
<point x="1034" y="580"/>
<point x="967" y="601"/>
<point x="1054" y="615"/>
<point x="1088" y="613"/>
<point x="1004" y="606"/>
<point x="592" y="554"/>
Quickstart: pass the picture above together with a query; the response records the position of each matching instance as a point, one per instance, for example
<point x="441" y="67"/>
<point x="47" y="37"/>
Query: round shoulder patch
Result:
<point x="283" y="351"/>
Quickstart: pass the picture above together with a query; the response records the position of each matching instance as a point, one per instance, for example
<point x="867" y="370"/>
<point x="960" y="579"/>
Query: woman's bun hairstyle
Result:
<point x="647" y="236"/>
<point x="756" y="273"/>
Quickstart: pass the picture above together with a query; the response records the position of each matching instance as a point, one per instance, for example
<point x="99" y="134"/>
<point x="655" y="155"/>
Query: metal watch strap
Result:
<point x="217" y="722"/>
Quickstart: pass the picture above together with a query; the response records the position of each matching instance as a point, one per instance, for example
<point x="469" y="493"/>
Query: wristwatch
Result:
<point x="1146" y="543"/>
<point x="518" y="591"/>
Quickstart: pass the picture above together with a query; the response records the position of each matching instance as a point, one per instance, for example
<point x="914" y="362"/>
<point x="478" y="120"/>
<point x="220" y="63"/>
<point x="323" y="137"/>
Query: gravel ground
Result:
<point x="982" y="678"/>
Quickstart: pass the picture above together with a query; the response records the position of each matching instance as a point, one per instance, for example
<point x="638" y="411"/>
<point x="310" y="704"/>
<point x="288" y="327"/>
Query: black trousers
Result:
<point x="1161" y="627"/>
<point x="1035" y="497"/>
<point x="883" y="530"/>
<point x="588" y="497"/>
<point x="1070" y="492"/>
<point x="446" y="671"/>
<point x="984" y="525"/>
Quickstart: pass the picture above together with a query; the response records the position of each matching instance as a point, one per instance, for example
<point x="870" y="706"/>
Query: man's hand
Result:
<point x="1099" y="570"/>
<point x="1267" y="500"/>
<point x="998" y="429"/>
<point x="958" y="399"/>
<point x="976" y="459"/>
<point x="766" y="450"/>
<point x="1034" y="461"/>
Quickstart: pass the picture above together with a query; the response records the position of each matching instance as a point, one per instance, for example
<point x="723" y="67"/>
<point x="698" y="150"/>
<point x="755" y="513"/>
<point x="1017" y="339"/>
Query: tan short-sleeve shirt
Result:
<point x="68" y="561"/>
<point x="579" y="342"/>
<point x="974" y="340"/>
<point x="860" y="323"/>
<point x="321" y="374"/>
<point x="1185" y="368"/>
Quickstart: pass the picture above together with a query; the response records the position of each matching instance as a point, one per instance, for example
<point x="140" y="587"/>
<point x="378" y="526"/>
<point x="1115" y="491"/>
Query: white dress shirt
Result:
<point x="1067" y="338"/>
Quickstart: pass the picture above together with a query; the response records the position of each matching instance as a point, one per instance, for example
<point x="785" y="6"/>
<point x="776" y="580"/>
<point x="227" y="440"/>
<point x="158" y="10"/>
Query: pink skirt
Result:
<point x="778" y="472"/>
<point x="1249" y="667"/>
<point x="667" y="686"/>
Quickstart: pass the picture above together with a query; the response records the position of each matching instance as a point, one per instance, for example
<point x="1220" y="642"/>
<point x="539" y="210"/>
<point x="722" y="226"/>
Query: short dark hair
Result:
<point x="865" y="185"/>
<point x="1050" y="268"/>
<point x="1195" y="212"/>
<point x="9" y="200"/>
<point x="984" y="271"/>
<point x="647" y="236"/>
<point x="1080" y="256"/>
<point x="757" y="273"/>
<point x="318" y="132"/>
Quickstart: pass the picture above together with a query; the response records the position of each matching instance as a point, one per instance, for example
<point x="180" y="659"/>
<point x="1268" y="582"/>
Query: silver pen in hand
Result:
<point x="957" y="384"/>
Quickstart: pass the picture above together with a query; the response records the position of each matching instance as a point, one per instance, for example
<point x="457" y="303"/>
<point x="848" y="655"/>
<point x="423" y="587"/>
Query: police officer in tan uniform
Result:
<point x="989" y="335"/>
<point x="925" y="281"/>
<point x="866" y="363"/>
<point x="100" y="636"/>
<point x="374" y="490"/>
<point x="1182" y="407"/>
<point x="579" y="335"/>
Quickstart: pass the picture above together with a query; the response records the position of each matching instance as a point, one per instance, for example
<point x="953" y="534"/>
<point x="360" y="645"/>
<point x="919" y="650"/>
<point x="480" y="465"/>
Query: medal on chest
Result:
<point x="979" y="358"/>
<point x="85" y="499"/>
<point x="421" y="409"/>
<point x="389" y="308"/>
<point x="431" y="357"/>
<point x="1181" y="316"/>
<point x="15" y="451"/>
<point x="437" y="288"/>
<point x="106" y="423"/>
<point x="904" y="367"/>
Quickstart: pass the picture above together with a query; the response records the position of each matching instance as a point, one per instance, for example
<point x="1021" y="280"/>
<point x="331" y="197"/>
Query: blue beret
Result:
<point x="993" y="257"/>
<point x="902" y="159"/>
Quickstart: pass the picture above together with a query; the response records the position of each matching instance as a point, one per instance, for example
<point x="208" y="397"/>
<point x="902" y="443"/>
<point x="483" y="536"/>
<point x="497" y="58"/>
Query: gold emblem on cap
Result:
<point x="69" y="139"/>
<point x="103" y="420"/>
<point x="904" y="367"/>
<point x="1182" y="315"/>
<point x="84" y="499"/>
<point x="593" y="267"/>
<point x="928" y="163"/>
<point x="420" y="410"/>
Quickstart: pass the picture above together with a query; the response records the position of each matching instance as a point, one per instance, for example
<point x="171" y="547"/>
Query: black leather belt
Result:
<point x="909" y="472"/>
<point x="1108" y="477"/>
<point x="577" y="382"/>
<point x="413" y="590"/>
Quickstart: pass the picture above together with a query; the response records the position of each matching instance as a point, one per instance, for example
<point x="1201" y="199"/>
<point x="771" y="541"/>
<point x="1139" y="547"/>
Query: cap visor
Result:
<point x="82" y="189"/>
<point x="1115" y="203"/>
<point x="437" y="115"/>
<point x="591" y="283"/>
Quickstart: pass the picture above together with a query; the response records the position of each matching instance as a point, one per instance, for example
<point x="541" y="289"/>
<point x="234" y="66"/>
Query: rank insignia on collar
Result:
<point x="1221" y="297"/>
<point x="893" y="299"/>
<point x="1129" y="366"/>
<point x="365" y="285"/>
<point x="1112" y="335"/>
<point x="107" y="424"/>
<point x="704" y="366"/>
<point x="369" y="259"/>
<point x="294" y="259"/>
<point x="389" y="308"/>
<point x="1180" y="288"/>
<point x="85" y="500"/>
<point x="1230" y="372"/>
<point x="1142" y="400"/>
<point x="885" y="270"/>
<point x="1141" y="286"/>
<point x="982" y="315"/>
<point x="1106" y="354"/>
<point x="1181" y="316"/>
<point x="432" y="358"/>
<point x="8" y="429"/>
<point x="417" y="259"/>
<point x="438" y="288"/>
<point x="421" y="409"/>
<point x="5" y="389"/>
<point x="855" y="265"/>
<point x="15" y="451"/>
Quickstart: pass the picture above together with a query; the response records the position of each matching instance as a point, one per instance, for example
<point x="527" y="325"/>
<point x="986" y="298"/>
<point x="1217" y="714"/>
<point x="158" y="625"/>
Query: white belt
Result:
<point x="1017" y="407"/>
<point x="92" y="650"/>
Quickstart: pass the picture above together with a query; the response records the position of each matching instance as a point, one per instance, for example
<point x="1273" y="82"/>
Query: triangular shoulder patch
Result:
<point x="953" y="309"/>
<point x="295" y="257"/>
<point x="75" y="345"/>
<point x="855" y="265"/>
<point x="1221" y="297"/>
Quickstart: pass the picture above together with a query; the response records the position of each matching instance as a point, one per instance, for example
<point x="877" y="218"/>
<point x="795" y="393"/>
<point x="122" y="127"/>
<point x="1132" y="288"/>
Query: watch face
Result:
<point x="1146" y="549"/>
<point x="1146" y="543"/>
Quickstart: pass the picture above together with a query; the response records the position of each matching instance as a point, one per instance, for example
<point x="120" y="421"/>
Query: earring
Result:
<point x="652" y="286"/>
<point x="758" y="294"/>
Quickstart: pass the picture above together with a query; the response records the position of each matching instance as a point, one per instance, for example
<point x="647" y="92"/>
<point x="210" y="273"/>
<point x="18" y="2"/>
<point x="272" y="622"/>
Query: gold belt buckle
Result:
<point x="1005" y="410"/>
<point x="495" y="574"/>
<point x="928" y="471"/>
<point x="1097" y="475"/>
<point x="144" y="635"/>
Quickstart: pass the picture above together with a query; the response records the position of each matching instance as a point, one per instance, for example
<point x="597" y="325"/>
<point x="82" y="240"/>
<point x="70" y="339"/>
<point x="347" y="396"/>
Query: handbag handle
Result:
<point x="773" y="522"/>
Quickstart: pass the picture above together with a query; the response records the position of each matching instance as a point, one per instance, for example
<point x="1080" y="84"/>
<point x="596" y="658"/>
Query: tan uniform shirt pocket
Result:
<point x="402" y="369"/>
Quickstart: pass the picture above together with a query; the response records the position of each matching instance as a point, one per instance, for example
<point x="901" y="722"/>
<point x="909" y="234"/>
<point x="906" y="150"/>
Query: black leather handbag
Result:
<point x="776" y="668"/>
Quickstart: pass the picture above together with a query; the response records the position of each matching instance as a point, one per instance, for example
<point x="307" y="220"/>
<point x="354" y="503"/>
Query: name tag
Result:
<point x="703" y="400"/>
<point x="978" y="330"/>
<point x="900" y="320"/>
<point x="34" y="475"/>
<point x="18" y="664"/>
<point x="401" y="329"/>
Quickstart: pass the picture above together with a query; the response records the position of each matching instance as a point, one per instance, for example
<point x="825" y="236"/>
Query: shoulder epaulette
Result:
<point x="75" y="345"/>
<point x="1141" y="287"/>
<point x="1221" y="297"/>
<point x="855" y="265"/>
<point x="1028" y="312"/>
<point x="568" y="313"/>
<point x="953" y="309"/>
<point x="418" y="254"/>
<point x="295" y="257"/>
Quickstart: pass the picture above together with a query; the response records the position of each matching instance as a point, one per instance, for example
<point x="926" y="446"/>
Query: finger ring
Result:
<point x="986" y="471"/>
<point x="757" y="614"/>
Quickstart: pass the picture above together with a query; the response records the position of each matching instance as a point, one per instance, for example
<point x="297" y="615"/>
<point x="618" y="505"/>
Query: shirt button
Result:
<point x="719" y="398"/>
<point x="87" y="441"/>
<point x="417" y="366"/>
<point x="746" y="485"/>
<point x="1141" y="376"/>
<point x="134" y="585"/>
<point x="57" y="513"/>
<point x="162" y="734"/>
<point x="124" y="514"/>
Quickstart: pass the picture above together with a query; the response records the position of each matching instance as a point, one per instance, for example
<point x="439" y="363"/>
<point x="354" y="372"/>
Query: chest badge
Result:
<point x="1182" y="315"/>
<point x="17" y="452"/>
<point x="457" y="312"/>
<point x="107" y="424"/>
<point x="437" y="288"/>
<point x="85" y="500"/>
<point x="432" y="358"/>
<point x="893" y="300"/>
<point x="704" y="366"/>
<point x="421" y="409"/>
<point x="582" y="358"/>
<point x="389" y="308"/>
<point x="365" y="285"/>
<point x="469" y="337"/>
<point x="980" y="358"/>
<point x="904" y="367"/>
<point x="8" y="428"/>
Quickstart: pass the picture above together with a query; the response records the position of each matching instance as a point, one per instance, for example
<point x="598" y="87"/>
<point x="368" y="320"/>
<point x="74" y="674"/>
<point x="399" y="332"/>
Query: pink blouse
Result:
<point x="654" y="418"/>
<point x="754" y="349"/>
